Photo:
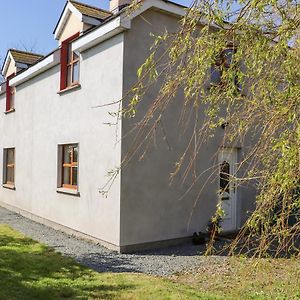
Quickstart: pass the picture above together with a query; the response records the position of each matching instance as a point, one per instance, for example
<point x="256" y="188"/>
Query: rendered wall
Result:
<point x="11" y="68"/>
<point x="72" y="26"/>
<point x="151" y="208"/>
<point x="43" y="119"/>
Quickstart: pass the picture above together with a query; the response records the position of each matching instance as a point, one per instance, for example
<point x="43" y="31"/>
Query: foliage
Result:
<point x="252" y="48"/>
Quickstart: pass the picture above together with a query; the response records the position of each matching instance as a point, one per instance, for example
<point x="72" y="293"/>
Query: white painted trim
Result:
<point x="97" y="36"/>
<point x="71" y="9"/>
<point x="100" y="34"/>
<point x="74" y="10"/>
<point x="158" y="4"/>
<point x="123" y="22"/>
<point x="36" y="69"/>
<point x="167" y="7"/>
<point x="229" y="154"/>
<point x="63" y="20"/>
<point x="6" y="63"/>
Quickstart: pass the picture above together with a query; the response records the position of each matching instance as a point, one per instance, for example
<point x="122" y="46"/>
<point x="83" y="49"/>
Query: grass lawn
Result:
<point x="30" y="270"/>
<point x="244" y="278"/>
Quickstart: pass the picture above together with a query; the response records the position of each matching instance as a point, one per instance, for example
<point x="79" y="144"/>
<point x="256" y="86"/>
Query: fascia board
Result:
<point x="36" y="69"/>
<point x="64" y="18"/>
<point x="98" y="35"/>
<point x="123" y="22"/>
<point x="8" y="59"/>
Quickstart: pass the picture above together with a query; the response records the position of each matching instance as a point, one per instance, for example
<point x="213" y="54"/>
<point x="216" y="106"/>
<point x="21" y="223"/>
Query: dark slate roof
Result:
<point x="91" y="11"/>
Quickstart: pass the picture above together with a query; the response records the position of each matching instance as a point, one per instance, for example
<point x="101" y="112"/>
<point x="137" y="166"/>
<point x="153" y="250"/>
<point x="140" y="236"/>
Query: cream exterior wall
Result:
<point x="44" y="119"/>
<point x="115" y="4"/>
<point x="11" y="68"/>
<point x="72" y="26"/>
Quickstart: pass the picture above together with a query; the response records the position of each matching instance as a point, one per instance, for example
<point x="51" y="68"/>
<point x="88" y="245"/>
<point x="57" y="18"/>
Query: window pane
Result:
<point x="69" y="75"/>
<point x="69" y="53"/>
<point x="66" y="175"/>
<point x="224" y="177"/>
<point x="10" y="176"/>
<point x="12" y="97"/>
<point x="75" y="154"/>
<point x="215" y="75"/>
<point x="75" y="56"/>
<point x="10" y="156"/>
<point x="74" y="176"/>
<point x="12" y="101"/>
<point x="67" y="154"/>
<point x="75" y="72"/>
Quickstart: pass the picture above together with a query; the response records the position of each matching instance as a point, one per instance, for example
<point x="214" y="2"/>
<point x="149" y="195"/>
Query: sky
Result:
<point x="29" y="24"/>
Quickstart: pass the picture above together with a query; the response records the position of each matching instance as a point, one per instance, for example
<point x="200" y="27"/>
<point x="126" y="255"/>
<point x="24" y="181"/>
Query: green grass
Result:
<point x="247" y="279"/>
<point x="30" y="270"/>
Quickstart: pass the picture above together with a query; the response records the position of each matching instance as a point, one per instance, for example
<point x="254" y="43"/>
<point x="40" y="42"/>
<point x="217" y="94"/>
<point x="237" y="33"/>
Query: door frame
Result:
<point x="229" y="155"/>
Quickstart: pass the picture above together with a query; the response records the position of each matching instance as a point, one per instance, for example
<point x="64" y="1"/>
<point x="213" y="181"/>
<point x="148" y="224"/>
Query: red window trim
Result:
<point x="8" y="93"/>
<point x="64" y="60"/>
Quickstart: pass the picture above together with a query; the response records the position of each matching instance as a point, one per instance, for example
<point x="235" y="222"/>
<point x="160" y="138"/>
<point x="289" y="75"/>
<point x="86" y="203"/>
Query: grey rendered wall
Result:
<point x="152" y="209"/>
<point x="43" y="119"/>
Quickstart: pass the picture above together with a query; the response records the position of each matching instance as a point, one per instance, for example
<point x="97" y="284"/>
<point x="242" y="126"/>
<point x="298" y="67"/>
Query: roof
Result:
<point x="103" y="23"/>
<point x="24" y="57"/>
<point x="91" y="11"/>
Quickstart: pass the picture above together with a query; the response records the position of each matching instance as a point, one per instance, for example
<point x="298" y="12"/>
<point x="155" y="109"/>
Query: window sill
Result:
<point x="9" y="186"/>
<point x="9" y="111"/>
<point x="69" y="88"/>
<point x="68" y="191"/>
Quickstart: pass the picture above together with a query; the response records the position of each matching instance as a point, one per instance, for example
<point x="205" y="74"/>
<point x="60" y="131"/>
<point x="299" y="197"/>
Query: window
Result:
<point x="69" y="64"/>
<point x="69" y="166"/>
<point x="223" y="63"/>
<point x="72" y="68"/>
<point x="224" y="177"/>
<point x="9" y="167"/>
<point x="10" y="95"/>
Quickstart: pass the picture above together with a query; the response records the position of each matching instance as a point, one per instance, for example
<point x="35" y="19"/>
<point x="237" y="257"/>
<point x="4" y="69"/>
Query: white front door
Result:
<point x="227" y="189"/>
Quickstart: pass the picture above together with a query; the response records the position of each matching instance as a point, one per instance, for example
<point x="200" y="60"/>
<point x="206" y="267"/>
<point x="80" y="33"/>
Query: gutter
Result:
<point x="116" y="24"/>
<point x="45" y="64"/>
<point x="104" y="32"/>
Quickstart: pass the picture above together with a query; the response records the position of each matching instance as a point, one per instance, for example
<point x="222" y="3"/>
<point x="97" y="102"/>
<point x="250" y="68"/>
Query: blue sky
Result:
<point x="30" y="23"/>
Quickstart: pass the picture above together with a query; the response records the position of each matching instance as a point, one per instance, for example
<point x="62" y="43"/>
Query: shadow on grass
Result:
<point x="29" y="270"/>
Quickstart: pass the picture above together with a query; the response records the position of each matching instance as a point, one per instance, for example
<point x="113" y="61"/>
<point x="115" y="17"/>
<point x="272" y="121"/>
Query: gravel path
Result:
<point x="163" y="262"/>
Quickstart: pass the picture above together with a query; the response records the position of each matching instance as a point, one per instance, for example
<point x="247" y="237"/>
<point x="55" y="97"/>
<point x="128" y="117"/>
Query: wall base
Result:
<point x="59" y="227"/>
<point x="155" y="245"/>
<point x="120" y="249"/>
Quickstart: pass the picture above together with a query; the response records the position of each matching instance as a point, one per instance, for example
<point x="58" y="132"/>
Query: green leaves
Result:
<point x="255" y="89"/>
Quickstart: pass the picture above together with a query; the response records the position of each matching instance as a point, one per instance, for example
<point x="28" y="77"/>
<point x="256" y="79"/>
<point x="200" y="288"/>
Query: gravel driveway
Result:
<point x="163" y="262"/>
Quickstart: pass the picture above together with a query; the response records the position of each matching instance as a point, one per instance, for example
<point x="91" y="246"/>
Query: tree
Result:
<point x="238" y="61"/>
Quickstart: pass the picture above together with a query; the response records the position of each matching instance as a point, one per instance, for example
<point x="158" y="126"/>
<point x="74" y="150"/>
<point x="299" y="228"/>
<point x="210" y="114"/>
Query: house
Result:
<point x="58" y="145"/>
